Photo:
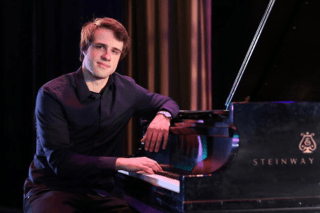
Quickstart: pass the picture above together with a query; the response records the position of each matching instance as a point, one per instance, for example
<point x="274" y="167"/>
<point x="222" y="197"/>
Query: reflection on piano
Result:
<point x="267" y="170"/>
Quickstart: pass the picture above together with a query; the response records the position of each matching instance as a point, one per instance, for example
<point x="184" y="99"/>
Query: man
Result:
<point x="80" y="124"/>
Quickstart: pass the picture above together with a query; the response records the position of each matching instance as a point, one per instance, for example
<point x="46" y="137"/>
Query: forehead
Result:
<point x="106" y="36"/>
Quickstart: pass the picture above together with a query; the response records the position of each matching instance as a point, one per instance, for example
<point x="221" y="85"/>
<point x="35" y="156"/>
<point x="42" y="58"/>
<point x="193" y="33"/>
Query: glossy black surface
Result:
<point x="200" y="142"/>
<point x="269" y="172"/>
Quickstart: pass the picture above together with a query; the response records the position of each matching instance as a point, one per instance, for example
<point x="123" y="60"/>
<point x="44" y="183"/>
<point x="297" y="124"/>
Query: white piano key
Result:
<point x="156" y="180"/>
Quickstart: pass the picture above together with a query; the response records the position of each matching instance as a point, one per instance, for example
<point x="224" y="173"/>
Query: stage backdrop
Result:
<point x="170" y="55"/>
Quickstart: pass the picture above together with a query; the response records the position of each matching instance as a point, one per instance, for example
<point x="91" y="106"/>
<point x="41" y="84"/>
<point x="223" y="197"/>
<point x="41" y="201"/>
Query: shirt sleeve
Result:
<point x="147" y="104"/>
<point x="54" y="143"/>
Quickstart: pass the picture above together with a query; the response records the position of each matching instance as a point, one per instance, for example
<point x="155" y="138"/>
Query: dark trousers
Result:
<point x="69" y="202"/>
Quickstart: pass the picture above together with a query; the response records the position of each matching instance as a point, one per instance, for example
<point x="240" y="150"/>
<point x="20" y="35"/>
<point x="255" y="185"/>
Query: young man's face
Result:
<point x="102" y="56"/>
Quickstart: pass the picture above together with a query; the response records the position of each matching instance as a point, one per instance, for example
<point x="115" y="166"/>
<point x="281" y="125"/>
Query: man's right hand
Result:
<point x="138" y="164"/>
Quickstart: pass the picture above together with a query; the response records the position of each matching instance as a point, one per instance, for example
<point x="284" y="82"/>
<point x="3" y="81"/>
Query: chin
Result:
<point x="102" y="76"/>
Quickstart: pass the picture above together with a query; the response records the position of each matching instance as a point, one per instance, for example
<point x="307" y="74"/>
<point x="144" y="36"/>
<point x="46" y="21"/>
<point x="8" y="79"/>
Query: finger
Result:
<point x="165" y="140"/>
<point x="148" y="135"/>
<point x="158" y="142"/>
<point x="143" y="165"/>
<point x="156" y="167"/>
<point x="148" y="170"/>
<point x="152" y="164"/>
<point x="160" y="168"/>
<point x="153" y="141"/>
<point x="143" y="142"/>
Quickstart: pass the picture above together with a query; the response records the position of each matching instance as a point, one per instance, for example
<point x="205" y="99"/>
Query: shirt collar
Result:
<point x="110" y="84"/>
<point x="83" y="91"/>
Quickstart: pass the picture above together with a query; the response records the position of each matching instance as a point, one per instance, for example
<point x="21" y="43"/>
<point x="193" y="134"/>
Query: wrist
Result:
<point x="119" y="163"/>
<point x="165" y="114"/>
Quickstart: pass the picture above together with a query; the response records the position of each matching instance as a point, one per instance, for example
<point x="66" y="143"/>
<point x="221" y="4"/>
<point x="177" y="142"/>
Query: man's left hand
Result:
<point x="157" y="130"/>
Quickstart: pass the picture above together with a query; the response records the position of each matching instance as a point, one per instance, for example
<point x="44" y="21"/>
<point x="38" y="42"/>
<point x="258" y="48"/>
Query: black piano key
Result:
<point x="169" y="174"/>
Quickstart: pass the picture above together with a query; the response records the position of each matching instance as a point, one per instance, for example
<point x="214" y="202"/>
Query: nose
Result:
<point x="106" y="55"/>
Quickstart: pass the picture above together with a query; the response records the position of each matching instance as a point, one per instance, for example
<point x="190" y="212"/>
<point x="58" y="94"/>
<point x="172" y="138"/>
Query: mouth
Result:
<point x="103" y="65"/>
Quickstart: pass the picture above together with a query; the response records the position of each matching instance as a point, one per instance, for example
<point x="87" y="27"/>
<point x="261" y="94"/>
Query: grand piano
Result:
<point x="260" y="155"/>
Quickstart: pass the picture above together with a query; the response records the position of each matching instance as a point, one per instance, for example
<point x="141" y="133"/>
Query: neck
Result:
<point x="94" y="84"/>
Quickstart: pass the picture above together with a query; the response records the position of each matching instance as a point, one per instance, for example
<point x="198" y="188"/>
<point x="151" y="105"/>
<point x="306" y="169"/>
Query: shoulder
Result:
<point x="58" y="88"/>
<point x="59" y="84"/>
<point x="123" y="79"/>
<point x="123" y="82"/>
<point x="126" y="89"/>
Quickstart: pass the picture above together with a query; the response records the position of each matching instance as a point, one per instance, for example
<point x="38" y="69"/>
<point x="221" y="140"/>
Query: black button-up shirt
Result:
<point x="80" y="134"/>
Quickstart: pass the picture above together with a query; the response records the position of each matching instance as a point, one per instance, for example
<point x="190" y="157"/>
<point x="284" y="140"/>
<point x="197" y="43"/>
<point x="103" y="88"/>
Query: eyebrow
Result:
<point x="104" y="45"/>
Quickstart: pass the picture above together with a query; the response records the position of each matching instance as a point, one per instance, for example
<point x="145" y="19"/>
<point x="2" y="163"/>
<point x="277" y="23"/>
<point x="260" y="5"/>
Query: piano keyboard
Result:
<point x="168" y="183"/>
<point x="169" y="175"/>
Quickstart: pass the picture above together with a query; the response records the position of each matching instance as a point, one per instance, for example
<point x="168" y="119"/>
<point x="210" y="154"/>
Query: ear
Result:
<point x="84" y="51"/>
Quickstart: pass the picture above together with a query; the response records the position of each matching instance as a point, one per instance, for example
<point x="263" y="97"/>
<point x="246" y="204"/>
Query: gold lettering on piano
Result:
<point x="282" y="161"/>
<point x="307" y="144"/>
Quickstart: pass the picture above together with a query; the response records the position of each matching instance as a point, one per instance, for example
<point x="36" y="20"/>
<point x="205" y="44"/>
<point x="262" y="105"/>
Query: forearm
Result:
<point x="72" y="165"/>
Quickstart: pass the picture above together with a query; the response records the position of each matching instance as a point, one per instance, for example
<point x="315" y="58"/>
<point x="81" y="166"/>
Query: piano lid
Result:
<point x="285" y="63"/>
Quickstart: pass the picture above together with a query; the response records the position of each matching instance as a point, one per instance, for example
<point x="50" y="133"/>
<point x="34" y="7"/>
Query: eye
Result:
<point x="116" y="52"/>
<point x="98" y="46"/>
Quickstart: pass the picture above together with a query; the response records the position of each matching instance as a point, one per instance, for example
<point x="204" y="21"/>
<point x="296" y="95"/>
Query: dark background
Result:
<point x="285" y="63"/>
<point x="40" y="42"/>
